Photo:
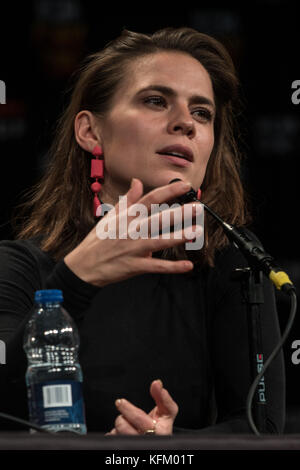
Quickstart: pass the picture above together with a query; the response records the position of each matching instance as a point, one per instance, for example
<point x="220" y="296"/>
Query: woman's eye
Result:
<point x="203" y="114"/>
<point x="155" y="100"/>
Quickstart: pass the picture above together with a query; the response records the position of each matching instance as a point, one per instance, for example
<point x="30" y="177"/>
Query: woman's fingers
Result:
<point x="156" y="196"/>
<point x="131" y="219"/>
<point x="166" y="406"/>
<point x="123" y="426"/>
<point x="144" y="263"/>
<point x="113" y="432"/>
<point x="134" y="421"/>
<point x="170" y="239"/>
<point x="156" y="265"/>
<point x="165" y="193"/>
<point x="136" y="417"/>
<point x="165" y="220"/>
<point x="157" y="229"/>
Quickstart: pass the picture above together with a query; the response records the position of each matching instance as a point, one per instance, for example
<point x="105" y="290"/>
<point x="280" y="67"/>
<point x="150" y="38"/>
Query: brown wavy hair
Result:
<point x="58" y="208"/>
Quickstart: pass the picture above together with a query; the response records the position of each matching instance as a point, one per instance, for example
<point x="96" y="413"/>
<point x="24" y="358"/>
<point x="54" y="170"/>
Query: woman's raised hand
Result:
<point x="102" y="261"/>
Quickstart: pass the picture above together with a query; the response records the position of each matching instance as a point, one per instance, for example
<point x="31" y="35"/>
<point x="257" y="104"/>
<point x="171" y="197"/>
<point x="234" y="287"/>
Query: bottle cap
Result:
<point x="48" y="295"/>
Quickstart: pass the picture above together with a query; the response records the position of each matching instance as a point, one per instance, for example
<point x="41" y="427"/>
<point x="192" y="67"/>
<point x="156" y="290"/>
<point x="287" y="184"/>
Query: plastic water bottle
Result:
<point x="53" y="376"/>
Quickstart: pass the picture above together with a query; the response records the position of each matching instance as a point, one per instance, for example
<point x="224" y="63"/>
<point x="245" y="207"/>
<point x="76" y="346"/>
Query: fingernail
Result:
<point x="132" y="181"/>
<point x="118" y="402"/>
<point x="190" y="235"/>
<point x="186" y="185"/>
<point x="160" y="382"/>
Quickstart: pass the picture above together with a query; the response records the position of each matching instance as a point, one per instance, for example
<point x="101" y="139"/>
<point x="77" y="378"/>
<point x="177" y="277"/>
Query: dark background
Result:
<point x="42" y="42"/>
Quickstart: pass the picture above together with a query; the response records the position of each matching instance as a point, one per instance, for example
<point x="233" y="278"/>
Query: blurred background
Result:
<point x="43" y="41"/>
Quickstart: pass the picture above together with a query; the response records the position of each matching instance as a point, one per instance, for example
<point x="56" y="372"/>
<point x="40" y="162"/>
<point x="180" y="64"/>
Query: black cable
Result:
<point x="272" y="356"/>
<point x="24" y="423"/>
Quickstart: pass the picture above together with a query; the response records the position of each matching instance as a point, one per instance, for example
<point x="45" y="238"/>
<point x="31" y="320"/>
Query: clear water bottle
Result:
<point x="53" y="376"/>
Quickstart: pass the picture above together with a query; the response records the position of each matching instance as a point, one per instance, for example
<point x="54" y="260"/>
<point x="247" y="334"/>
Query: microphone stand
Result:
<point x="251" y="280"/>
<point x="252" y="284"/>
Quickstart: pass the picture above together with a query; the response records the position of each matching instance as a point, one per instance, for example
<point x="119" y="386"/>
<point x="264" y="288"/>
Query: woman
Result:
<point x="151" y="313"/>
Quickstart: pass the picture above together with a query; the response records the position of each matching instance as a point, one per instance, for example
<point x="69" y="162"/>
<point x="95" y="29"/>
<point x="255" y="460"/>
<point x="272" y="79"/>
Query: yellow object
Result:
<point x="279" y="278"/>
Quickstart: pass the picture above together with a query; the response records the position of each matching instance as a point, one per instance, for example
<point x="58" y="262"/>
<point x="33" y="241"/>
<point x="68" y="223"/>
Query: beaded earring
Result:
<point x="97" y="169"/>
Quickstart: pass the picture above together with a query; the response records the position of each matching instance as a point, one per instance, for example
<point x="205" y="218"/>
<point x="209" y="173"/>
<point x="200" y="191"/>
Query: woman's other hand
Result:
<point x="135" y="421"/>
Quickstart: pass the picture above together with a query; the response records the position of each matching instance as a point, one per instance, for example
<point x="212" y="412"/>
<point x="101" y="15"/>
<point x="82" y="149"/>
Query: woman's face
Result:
<point x="160" y="125"/>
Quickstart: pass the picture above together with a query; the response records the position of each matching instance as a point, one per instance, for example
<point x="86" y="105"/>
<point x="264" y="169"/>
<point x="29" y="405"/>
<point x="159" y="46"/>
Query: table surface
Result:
<point x="11" y="440"/>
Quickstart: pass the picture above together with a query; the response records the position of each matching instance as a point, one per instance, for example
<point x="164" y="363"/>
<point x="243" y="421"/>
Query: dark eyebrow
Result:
<point x="194" y="99"/>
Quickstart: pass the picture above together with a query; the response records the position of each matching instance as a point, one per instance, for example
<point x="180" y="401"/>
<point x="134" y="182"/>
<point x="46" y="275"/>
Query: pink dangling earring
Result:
<point x="97" y="168"/>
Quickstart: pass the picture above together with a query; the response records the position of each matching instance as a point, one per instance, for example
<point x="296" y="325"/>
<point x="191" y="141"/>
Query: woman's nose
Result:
<point x="181" y="122"/>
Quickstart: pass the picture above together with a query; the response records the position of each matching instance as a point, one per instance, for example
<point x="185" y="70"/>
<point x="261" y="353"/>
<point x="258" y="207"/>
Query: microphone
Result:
<point x="252" y="249"/>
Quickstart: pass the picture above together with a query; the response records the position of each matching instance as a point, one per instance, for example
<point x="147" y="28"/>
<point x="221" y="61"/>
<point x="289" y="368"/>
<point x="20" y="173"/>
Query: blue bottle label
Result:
<point x="57" y="402"/>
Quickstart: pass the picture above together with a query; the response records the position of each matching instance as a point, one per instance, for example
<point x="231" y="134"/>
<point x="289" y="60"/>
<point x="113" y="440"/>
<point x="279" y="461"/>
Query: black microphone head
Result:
<point x="189" y="196"/>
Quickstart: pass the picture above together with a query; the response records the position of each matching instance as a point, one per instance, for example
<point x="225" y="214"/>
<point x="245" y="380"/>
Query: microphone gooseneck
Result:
<point x="252" y="249"/>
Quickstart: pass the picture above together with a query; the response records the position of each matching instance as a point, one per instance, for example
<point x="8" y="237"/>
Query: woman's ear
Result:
<point x="87" y="132"/>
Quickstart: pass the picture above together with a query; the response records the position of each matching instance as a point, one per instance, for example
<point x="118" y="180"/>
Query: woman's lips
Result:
<point x="176" y="160"/>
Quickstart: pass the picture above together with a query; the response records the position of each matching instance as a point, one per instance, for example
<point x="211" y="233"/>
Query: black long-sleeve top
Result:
<point x="189" y="330"/>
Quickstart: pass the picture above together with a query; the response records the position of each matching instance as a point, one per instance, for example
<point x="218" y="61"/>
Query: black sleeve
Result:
<point x="22" y="272"/>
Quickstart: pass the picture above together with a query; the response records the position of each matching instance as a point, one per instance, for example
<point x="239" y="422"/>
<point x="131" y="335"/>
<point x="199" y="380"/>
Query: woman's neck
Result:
<point x="110" y="193"/>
